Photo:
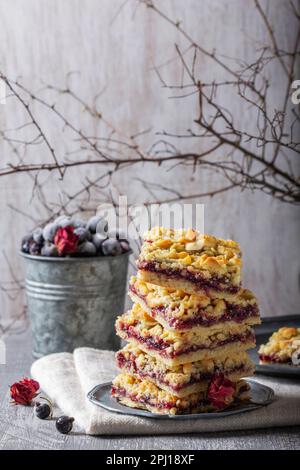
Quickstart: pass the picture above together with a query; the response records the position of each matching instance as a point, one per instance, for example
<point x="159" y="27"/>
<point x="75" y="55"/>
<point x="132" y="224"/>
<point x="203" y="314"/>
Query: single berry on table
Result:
<point x="64" y="424"/>
<point x="42" y="410"/>
<point x="111" y="247"/>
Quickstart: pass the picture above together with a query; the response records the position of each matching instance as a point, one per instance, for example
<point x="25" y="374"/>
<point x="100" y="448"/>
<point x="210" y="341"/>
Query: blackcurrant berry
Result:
<point x="63" y="221"/>
<point x="49" y="231"/>
<point x="26" y="242"/>
<point x="87" y="248"/>
<point x="83" y="234"/>
<point x="92" y="223"/>
<point x="42" y="410"/>
<point x="98" y="239"/>
<point x="119" y="234"/>
<point x="38" y="236"/>
<point x="49" y="249"/>
<point x="64" y="424"/>
<point x="111" y="247"/>
<point x="102" y="227"/>
<point x="125" y="245"/>
<point x="35" y="248"/>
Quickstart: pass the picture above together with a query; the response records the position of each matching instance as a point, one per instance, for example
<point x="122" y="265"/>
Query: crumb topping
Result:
<point x="173" y="340"/>
<point x="182" y="305"/>
<point x="143" y="388"/>
<point x="189" y="249"/>
<point x="282" y="344"/>
<point x="143" y="394"/>
<point x="185" y="373"/>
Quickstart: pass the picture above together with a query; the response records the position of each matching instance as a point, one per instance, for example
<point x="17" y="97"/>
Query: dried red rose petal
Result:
<point x="24" y="391"/>
<point x="66" y="240"/>
<point x="220" y="391"/>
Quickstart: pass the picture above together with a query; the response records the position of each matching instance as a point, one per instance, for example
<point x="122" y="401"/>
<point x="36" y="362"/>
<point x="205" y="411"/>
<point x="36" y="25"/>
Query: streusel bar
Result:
<point x="174" y="347"/>
<point x="177" y="310"/>
<point x="190" y="261"/>
<point x="283" y="347"/>
<point x="135" y="393"/>
<point x="184" y="379"/>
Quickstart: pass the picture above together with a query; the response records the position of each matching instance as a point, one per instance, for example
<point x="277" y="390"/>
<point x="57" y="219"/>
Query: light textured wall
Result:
<point x="43" y="40"/>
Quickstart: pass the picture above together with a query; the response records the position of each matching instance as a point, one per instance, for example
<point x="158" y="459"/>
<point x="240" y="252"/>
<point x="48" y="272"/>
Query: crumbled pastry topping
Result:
<point x="142" y="388"/>
<point x="188" y="249"/>
<point x="143" y="394"/>
<point x="147" y="327"/>
<point x="181" y="304"/>
<point x="183" y="374"/>
<point x="281" y="345"/>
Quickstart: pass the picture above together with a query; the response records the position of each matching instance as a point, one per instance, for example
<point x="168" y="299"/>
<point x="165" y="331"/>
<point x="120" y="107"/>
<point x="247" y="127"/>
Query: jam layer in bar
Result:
<point x="173" y="347"/>
<point x="190" y="261"/>
<point x="283" y="347"/>
<point x="184" y="379"/>
<point x="177" y="310"/>
<point x="135" y="393"/>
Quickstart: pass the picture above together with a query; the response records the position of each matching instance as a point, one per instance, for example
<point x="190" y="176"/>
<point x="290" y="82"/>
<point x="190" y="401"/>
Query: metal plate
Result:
<point x="260" y="396"/>
<point x="263" y="332"/>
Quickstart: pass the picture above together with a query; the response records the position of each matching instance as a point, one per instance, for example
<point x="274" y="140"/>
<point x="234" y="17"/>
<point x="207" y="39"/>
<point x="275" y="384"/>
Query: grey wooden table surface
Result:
<point x="19" y="429"/>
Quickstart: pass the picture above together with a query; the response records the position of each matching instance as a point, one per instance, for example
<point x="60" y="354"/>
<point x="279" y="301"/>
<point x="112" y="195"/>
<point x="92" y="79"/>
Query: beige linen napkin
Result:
<point x="67" y="378"/>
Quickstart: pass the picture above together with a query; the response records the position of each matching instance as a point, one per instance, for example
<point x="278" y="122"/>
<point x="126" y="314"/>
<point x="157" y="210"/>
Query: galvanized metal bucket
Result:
<point x="73" y="302"/>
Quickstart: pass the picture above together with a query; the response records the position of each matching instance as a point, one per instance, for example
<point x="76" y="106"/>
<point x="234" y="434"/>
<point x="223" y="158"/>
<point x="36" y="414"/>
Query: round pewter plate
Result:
<point x="260" y="396"/>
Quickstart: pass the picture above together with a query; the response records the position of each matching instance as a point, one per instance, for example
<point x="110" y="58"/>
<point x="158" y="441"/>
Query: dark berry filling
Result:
<point x="129" y="364"/>
<point x="218" y="283"/>
<point x="273" y="358"/>
<point x="158" y="344"/>
<point x="162" y="405"/>
<point x="233" y="312"/>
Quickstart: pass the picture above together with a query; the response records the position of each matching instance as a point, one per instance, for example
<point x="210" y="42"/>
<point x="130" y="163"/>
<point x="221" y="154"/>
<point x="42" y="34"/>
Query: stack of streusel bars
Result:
<point x="189" y="328"/>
